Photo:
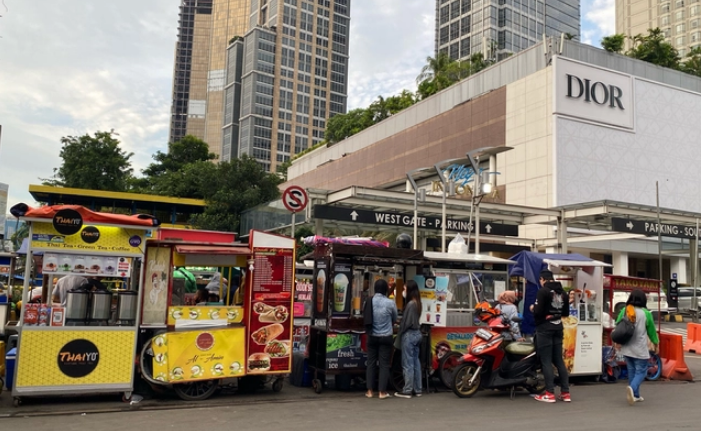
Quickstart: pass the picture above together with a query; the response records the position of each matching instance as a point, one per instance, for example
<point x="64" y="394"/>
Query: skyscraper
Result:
<point x="500" y="27"/>
<point x="679" y="20"/>
<point x="205" y="29"/>
<point x="286" y="77"/>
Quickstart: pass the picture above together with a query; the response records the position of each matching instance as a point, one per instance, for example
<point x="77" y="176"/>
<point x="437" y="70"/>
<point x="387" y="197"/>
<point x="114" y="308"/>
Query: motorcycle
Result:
<point x="494" y="363"/>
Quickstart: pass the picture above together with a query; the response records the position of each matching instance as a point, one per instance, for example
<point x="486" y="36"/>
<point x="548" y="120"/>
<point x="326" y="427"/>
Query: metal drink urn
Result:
<point x="100" y="306"/>
<point x="126" y="307"/>
<point x="76" y="306"/>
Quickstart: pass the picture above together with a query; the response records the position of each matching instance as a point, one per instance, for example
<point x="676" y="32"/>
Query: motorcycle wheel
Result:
<point x="654" y="368"/>
<point x="461" y="380"/>
<point x="446" y="368"/>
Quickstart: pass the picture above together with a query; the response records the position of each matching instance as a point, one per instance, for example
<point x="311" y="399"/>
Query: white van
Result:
<point x="620" y="298"/>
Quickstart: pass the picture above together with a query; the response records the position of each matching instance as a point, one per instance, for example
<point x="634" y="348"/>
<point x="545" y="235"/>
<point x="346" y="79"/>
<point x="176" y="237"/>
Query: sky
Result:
<point x="73" y="67"/>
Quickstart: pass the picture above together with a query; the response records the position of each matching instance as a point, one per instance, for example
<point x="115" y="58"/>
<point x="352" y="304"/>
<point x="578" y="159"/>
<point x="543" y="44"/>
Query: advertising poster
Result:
<point x="321" y="275"/>
<point x="587" y="349"/>
<point x="434" y="299"/>
<point x="156" y="282"/>
<point x="199" y="355"/>
<point x="62" y="357"/>
<point x="269" y="317"/>
<point x="341" y="287"/>
<point x="343" y="352"/>
<point x="102" y="266"/>
<point x="450" y="339"/>
<point x="101" y="239"/>
<point x="304" y="290"/>
<point x="213" y="315"/>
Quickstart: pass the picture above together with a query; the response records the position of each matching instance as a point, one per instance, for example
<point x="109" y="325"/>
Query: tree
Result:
<point x="692" y="64"/>
<point x="436" y="75"/>
<point x="92" y="162"/>
<point x="383" y="108"/>
<point x="614" y="43"/>
<point x="189" y="149"/>
<point x="302" y="248"/>
<point x="569" y="36"/>
<point x="282" y="168"/>
<point x="232" y="188"/>
<point x="341" y="126"/>
<point x="654" y="49"/>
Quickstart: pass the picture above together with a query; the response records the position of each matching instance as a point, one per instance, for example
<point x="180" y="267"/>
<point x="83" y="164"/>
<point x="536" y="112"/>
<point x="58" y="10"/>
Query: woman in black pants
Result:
<point x="384" y="314"/>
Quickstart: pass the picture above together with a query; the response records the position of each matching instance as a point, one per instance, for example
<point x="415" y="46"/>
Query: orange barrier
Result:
<point x="672" y="355"/>
<point x="693" y="338"/>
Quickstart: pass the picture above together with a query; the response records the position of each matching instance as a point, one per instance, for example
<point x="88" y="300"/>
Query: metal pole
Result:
<point x="659" y="244"/>
<point x="695" y="275"/>
<point x="416" y="216"/>
<point x="27" y="274"/>
<point x="477" y="228"/>
<point x="293" y="225"/>
<point x="445" y="193"/>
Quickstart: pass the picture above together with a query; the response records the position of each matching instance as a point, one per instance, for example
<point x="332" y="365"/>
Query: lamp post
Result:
<point x="422" y="198"/>
<point x="445" y="184"/>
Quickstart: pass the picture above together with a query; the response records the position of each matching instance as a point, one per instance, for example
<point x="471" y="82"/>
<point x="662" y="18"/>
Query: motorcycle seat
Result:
<point x="520" y="348"/>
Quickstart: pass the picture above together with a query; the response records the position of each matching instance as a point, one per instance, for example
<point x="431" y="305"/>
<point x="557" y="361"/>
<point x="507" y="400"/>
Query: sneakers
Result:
<point x="630" y="395"/>
<point x="639" y="399"/>
<point x="565" y="396"/>
<point x="546" y="397"/>
<point x="419" y="394"/>
<point x="402" y="395"/>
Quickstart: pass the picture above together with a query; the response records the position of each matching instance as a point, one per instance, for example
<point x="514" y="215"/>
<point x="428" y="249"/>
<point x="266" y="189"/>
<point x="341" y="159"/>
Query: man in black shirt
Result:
<point x="551" y="305"/>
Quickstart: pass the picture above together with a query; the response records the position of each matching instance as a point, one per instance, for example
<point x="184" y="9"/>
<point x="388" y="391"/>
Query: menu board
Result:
<point x="303" y="298"/>
<point x="106" y="266"/>
<point x="340" y="289"/>
<point x="269" y="314"/>
<point x="434" y="299"/>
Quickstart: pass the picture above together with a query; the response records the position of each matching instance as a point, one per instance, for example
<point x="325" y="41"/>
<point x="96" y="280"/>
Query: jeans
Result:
<point x="549" y="348"/>
<point x="379" y="350"/>
<point x="637" y="370"/>
<point x="411" y="365"/>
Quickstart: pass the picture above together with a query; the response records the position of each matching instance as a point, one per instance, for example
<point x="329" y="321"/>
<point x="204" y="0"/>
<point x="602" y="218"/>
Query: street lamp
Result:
<point x="445" y="185"/>
<point x="484" y="185"/>
<point x="418" y="196"/>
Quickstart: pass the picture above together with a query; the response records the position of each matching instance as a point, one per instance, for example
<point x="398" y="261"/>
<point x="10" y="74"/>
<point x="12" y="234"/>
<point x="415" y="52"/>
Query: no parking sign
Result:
<point x="295" y="199"/>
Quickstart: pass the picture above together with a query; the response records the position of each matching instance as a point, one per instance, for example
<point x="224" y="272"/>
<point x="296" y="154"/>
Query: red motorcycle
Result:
<point x="494" y="363"/>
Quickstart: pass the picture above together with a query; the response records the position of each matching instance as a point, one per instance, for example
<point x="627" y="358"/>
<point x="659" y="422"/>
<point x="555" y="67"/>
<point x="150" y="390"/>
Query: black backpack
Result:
<point x="623" y="331"/>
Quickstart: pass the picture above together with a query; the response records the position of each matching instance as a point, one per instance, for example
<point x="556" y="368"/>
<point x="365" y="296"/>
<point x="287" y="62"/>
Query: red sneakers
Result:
<point x="565" y="396"/>
<point x="547" y="397"/>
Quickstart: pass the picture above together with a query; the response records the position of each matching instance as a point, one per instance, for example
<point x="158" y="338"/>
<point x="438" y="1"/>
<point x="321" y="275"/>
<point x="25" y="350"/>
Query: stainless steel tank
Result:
<point x="100" y="305"/>
<point x="126" y="307"/>
<point x="76" y="305"/>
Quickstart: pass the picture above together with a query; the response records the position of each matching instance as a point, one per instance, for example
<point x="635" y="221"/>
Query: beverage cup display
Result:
<point x="438" y="308"/>
<point x="340" y="292"/>
<point x="569" y="340"/>
<point x="320" y="283"/>
<point x="428" y="317"/>
<point x="438" y="318"/>
<point x="356" y="305"/>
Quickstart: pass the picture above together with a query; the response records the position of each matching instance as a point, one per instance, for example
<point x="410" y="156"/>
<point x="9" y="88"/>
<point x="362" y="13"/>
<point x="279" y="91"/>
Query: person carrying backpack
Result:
<point x="636" y="350"/>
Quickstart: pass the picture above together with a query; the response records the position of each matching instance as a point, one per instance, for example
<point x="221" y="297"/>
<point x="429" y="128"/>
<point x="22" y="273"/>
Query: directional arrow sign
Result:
<point x="651" y="228"/>
<point x="353" y="215"/>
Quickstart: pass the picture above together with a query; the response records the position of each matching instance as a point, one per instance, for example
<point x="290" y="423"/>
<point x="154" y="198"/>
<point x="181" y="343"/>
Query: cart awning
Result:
<point x="88" y="216"/>
<point x="212" y="250"/>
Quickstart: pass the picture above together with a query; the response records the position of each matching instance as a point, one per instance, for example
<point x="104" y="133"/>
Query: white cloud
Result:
<point x="599" y="20"/>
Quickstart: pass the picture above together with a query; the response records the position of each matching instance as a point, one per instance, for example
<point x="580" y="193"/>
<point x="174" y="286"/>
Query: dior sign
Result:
<point x="597" y="92"/>
<point x="587" y="92"/>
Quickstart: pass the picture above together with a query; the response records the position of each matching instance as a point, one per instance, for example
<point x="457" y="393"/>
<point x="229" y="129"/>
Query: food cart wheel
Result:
<point x="17" y="401"/>
<point x="277" y="385"/>
<point x="196" y="391"/>
<point x="316" y="384"/>
<point x="446" y="368"/>
<point x="126" y="397"/>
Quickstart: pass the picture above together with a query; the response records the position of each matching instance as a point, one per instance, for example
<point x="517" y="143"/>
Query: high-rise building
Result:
<point x="205" y="29"/>
<point x="679" y="20"/>
<point x="286" y="77"/>
<point x="497" y="28"/>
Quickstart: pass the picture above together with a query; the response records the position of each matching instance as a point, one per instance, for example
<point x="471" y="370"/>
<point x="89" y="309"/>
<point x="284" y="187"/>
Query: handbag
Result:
<point x="398" y="342"/>
<point x="623" y="331"/>
<point x="367" y="316"/>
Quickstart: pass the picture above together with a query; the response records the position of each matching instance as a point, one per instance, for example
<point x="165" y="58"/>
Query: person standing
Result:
<point x="410" y="337"/>
<point x="69" y="282"/>
<point x="551" y="305"/>
<point x="636" y="350"/>
<point x="384" y="314"/>
<point x="507" y="306"/>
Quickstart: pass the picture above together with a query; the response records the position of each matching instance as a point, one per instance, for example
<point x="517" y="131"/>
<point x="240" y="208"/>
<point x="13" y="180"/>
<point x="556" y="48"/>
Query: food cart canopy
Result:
<point x="579" y="264"/>
<point x="48" y="212"/>
<point x="456" y="257"/>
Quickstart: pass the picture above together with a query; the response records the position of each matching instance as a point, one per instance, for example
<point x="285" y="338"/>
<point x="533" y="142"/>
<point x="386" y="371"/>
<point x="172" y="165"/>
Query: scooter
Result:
<point x="493" y="363"/>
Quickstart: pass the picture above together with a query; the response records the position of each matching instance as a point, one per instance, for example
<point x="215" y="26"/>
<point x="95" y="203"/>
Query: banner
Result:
<point x="156" y="282"/>
<point x="434" y="299"/>
<point x="90" y="238"/>
<point x="450" y="339"/>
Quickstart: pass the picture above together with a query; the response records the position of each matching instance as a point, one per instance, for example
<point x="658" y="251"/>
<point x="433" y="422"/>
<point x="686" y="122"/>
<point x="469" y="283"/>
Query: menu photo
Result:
<point x="434" y="297"/>
<point x="110" y="266"/>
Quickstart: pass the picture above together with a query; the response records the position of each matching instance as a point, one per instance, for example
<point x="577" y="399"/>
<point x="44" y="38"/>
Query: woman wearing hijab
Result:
<point x="507" y="305"/>
<point x="636" y="350"/>
<point x="411" y="341"/>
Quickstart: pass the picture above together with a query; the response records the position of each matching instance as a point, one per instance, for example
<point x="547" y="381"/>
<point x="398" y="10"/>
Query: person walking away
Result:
<point x="507" y="306"/>
<point x="384" y="314"/>
<point x="551" y="305"/>
<point x="636" y="350"/>
<point x="69" y="282"/>
<point x="411" y="341"/>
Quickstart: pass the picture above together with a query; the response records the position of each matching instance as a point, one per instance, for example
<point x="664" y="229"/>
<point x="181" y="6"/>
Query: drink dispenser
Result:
<point x="100" y="306"/>
<point x="126" y="307"/>
<point x="76" y="306"/>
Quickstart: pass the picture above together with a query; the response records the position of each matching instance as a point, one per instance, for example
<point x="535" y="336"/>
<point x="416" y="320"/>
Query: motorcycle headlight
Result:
<point x="477" y="350"/>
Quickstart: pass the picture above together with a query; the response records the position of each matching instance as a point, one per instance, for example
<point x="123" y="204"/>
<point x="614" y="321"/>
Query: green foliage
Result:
<point x="692" y="62"/>
<point x="302" y="248"/>
<point x="341" y="126"/>
<point x="233" y="187"/>
<point x="92" y="162"/>
<point x="441" y="72"/>
<point x="614" y="43"/>
<point x="19" y="235"/>
<point x="654" y="49"/>
<point x="282" y="168"/>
